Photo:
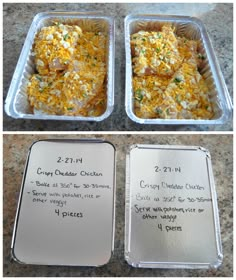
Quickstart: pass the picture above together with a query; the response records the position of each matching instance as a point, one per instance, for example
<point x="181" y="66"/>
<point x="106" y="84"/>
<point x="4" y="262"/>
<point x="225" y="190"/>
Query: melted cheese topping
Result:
<point x="166" y="82"/>
<point x="71" y="67"/>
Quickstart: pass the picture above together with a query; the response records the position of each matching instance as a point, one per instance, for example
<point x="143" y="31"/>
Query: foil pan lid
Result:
<point x="65" y="213"/>
<point x="172" y="218"/>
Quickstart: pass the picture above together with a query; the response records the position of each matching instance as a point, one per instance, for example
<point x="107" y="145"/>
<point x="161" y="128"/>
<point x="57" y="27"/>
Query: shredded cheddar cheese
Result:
<point x="71" y="67"/>
<point x="166" y="82"/>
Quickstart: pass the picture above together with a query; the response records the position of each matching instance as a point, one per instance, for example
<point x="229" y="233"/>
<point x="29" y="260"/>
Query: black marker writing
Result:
<point x="46" y="173"/>
<point x="90" y="173"/>
<point x="72" y="214"/>
<point x="145" y="185"/>
<point x="69" y="160"/>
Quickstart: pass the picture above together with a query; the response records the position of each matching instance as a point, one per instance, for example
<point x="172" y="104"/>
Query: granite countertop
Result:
<point x="15" y="148"/>
<point x="17" y="17"/>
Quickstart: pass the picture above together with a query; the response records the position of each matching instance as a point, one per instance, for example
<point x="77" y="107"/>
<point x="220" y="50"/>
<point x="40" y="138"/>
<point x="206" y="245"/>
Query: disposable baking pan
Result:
<point x="66" y="208"/>
<point x="191" y="28"/>
<point x="171" y="213"/>
<point x="16" y="103"/>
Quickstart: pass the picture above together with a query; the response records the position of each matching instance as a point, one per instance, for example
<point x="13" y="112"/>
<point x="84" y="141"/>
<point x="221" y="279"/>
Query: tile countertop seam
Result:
<point x="221" y="149"/>
<point x="17" y="18"/>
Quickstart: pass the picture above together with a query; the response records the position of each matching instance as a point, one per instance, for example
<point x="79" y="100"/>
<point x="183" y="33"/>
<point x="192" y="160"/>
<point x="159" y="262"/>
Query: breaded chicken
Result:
<point x="71" y="77"/>
<point x="167" y="83"/>
<point x="54" y="47"/>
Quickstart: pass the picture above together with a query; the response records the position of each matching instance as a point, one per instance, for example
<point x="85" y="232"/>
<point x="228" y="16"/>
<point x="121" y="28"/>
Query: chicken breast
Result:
<point x="167" y="83"/>
<point x="54" y="47"/>
<point x="71" y="77"/>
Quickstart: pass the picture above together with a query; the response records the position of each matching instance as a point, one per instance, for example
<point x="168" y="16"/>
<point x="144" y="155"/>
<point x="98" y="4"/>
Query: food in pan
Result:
<point x="166" y="79"/>
<point x="71" y="72"/>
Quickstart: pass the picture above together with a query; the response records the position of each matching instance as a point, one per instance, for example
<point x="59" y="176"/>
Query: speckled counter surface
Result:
<point x="218" y="19"/>
<point x="221" y="149"/>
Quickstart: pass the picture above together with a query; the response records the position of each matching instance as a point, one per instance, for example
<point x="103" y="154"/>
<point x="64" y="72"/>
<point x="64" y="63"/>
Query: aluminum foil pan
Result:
<point x="171" y="212"/>
<point x="16" y="103"/>
<point x="191" y="28"/>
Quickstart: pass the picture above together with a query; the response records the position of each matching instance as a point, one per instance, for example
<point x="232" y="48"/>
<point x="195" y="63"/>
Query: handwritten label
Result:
<point x="171" y="206"/>
<point x="45" y="192"/>
<point x="167" y="169"/>
<point x="69" y="160"/>
<point x="159" y="192"/>
<point x="69" y="188"/>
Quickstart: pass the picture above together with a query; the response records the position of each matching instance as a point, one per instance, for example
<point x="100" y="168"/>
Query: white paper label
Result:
<point x="66" y="211"/>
